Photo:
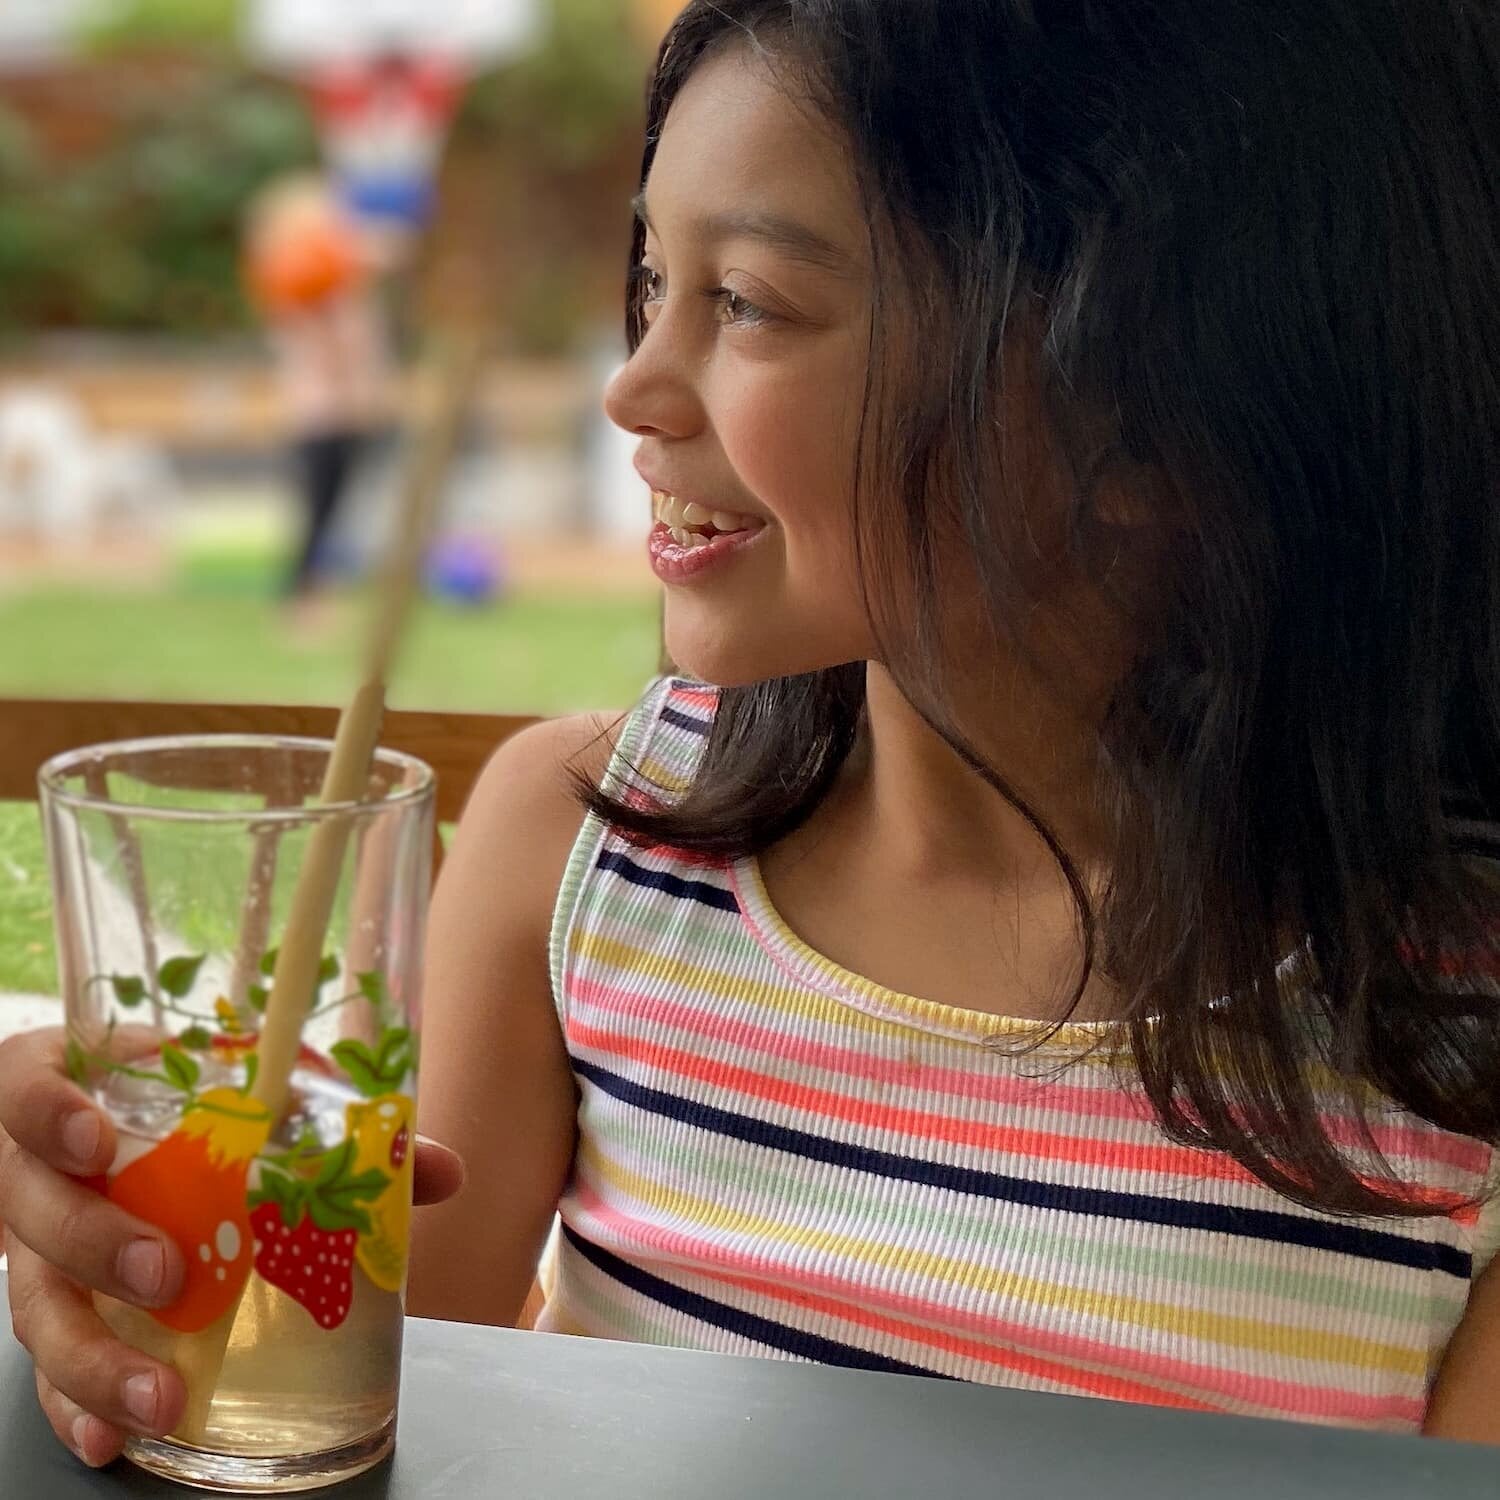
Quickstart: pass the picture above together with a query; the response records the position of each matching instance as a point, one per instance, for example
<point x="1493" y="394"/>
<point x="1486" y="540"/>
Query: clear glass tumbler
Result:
<point x="173" y="866"/>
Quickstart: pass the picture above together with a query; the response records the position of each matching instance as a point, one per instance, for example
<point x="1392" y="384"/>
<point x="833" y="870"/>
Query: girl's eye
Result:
<point x="653" y="287"/>
<point x="736" y="311"/>
<point x="730" y="308"/>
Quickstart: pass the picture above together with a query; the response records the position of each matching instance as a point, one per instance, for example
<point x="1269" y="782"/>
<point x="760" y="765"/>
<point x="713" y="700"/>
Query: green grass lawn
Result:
<point x="546" y="654"/>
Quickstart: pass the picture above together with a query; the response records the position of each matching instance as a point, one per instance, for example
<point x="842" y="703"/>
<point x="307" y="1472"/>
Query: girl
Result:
<point x="1059" y="952"/>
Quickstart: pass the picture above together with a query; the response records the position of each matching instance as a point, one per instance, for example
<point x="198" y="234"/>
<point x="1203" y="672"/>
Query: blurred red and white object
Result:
<point x="386" y="77"/>
<point x="383" y="121"/>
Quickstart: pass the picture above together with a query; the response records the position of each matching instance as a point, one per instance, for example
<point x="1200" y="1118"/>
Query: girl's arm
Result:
<point x="1466" y="1399"/>
<point x="496" y="1084"/>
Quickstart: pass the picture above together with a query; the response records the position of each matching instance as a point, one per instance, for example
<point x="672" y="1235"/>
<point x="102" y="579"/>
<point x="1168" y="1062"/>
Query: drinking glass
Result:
<point x="173" y="864"/>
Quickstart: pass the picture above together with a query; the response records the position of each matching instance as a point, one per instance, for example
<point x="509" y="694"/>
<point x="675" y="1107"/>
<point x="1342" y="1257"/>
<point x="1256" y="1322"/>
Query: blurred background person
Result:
<point x="312" y="280"/>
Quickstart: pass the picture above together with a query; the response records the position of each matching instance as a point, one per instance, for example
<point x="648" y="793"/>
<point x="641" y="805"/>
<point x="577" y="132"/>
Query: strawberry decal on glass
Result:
<point x="307" y="1219"/>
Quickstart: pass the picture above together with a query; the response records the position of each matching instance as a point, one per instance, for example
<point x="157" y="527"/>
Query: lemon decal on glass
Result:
<point x="380" y="1130"/>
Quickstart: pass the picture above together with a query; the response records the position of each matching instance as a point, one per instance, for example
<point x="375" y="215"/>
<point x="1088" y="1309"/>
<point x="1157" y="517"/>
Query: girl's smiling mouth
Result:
<point x="689" y="539"/>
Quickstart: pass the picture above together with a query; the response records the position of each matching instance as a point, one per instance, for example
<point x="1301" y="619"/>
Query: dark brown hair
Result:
<point x="1265" y="242"/>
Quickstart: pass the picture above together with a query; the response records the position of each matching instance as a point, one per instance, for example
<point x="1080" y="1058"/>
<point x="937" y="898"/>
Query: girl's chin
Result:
<point x="724" y="654"/>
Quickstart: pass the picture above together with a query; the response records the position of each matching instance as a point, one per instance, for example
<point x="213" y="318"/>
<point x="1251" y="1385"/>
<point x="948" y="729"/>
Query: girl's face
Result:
<point x="747" y="388"/>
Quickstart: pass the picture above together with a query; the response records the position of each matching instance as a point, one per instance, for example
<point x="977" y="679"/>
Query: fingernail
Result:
<point x="84" y="1428"/>
<point x="143" y="1267"/>
<point x="80" y="1136"/>
<point x="143" y="1399"/>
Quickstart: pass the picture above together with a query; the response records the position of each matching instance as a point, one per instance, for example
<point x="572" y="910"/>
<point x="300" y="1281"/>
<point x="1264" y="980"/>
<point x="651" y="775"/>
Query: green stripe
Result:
<point x="655" y="914"/>
<point x="630" y="1316"/>
<point x="722" y="1167"/>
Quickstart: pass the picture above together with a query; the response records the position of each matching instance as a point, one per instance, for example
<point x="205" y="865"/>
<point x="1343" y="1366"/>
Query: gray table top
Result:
<point x="491" y="1412"/>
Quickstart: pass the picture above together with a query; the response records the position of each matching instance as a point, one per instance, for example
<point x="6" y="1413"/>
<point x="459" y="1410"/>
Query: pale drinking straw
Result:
<point x="345" y="781"/>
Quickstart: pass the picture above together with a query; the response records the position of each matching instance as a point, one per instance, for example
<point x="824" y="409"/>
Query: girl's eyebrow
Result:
<point x="787" y="235"/>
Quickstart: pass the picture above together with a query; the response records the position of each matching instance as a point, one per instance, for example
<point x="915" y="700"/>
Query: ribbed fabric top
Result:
<point x="778" y="1157"/>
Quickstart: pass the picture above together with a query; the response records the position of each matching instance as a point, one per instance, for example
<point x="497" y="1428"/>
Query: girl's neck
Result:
<point x="916" y="874"/>
<point x="930" y="813"/>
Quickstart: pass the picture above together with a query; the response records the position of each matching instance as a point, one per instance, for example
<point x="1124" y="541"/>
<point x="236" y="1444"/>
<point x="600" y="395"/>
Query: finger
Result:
<point x="91" y="1438"/>
<point x="44" y="1112"/>
<point x="85" y="1236"/>
<point x="84" y="1361"/>
<point x="439" y="1172"/>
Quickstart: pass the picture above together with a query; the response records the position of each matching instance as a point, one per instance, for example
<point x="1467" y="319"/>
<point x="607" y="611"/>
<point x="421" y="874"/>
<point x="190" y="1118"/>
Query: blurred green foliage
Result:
<point x="567" y="100"/>
<point x="112" y="24"/>
<point x="145" y="233"/>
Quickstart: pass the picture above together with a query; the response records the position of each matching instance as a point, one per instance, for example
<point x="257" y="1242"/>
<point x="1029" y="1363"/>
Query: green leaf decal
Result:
<point x="252" y="1068"/>
<point x="78" y="1063"/>
<point x="328" y="969"/>
<point x="176" y="976"/>
<point x="358" y="1062"/>
<point x="179" y="1067"/>
<point x="336" y="1163"/>
<point x="268" y="961"/>
<point x="129" y="990"/>
<point x="327" y="1191"/>
<point x="373" y="987"/>
<point x="285" y="1192"/>
<point x="257" y="995"/>
<point x="198" y="1038"/>
<point x="378" y="1070"/>
<point x="393" y="1059"/>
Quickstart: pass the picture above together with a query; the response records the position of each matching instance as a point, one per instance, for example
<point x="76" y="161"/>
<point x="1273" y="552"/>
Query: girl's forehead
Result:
<point x="744" y="136"/>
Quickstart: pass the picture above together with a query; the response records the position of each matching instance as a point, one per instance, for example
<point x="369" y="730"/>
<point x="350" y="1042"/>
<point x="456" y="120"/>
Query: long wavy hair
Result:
<point x="1263" y="241"/>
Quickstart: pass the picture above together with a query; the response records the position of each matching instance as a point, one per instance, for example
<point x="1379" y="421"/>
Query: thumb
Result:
<point x="438" y="1173"/>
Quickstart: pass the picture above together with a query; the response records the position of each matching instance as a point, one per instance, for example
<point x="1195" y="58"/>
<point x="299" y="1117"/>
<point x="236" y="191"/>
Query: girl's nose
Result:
<point x="648" y="396"/>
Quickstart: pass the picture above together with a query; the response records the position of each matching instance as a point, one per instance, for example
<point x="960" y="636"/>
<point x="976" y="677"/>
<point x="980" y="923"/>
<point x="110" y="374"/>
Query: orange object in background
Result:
<point x="302" y="250"/>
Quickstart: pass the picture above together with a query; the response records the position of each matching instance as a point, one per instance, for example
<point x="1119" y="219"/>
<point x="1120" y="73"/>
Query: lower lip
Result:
<point x="677" y="564"/>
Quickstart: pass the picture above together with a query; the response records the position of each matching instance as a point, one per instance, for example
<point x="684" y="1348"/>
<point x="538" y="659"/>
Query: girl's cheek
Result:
<point x="784" y="428"/>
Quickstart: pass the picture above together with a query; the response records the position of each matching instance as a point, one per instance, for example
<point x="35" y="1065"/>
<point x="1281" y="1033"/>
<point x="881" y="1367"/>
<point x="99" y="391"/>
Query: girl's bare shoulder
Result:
<point x="526" y="801"/>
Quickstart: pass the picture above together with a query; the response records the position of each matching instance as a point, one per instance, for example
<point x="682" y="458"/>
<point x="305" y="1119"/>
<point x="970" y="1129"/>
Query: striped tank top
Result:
<point x="778" y="1157"/>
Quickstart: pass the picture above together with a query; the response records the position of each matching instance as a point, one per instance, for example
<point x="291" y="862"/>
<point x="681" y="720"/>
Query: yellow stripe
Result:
<point x="638" y="964"/>
<point x="641" y="964"/>
<point x="1221" y="1328"/>
<point x="1082" y="1037"/>
<point x="662" y="777"/>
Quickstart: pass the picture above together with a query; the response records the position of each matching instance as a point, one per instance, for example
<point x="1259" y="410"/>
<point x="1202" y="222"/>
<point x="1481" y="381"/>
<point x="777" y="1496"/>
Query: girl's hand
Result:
<point x="66" y="1241"/>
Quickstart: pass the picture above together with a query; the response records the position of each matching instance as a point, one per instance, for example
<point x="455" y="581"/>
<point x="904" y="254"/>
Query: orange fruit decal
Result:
<point x="192" y="1185"/>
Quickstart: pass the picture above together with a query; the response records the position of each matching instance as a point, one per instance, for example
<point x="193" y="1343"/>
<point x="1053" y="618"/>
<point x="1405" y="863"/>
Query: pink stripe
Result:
<point x="1091" y="1382"/>
<point x="1116" y="1156"/>
<point x="714" y="1259"/>
<point x="1113" y="1103"/>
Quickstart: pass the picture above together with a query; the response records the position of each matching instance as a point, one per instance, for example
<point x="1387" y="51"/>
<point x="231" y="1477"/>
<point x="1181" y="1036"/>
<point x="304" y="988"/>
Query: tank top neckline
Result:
<point x="805" y="965"/>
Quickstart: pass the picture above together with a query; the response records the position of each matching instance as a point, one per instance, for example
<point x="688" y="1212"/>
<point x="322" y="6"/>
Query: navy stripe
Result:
<point x="720" y="1315"/>
<point x="1217" y="1218"/>
<point x="672" y="885"/>
<point x="684" y="721"/>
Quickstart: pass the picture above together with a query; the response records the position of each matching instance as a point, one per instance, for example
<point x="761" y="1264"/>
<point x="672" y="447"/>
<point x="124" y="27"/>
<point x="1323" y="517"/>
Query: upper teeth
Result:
<point x="682" y="518"/>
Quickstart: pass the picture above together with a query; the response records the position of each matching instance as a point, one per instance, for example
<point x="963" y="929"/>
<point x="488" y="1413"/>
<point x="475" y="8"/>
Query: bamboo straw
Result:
<point x="442" y="397"/>
<point x="294" y="983"/>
